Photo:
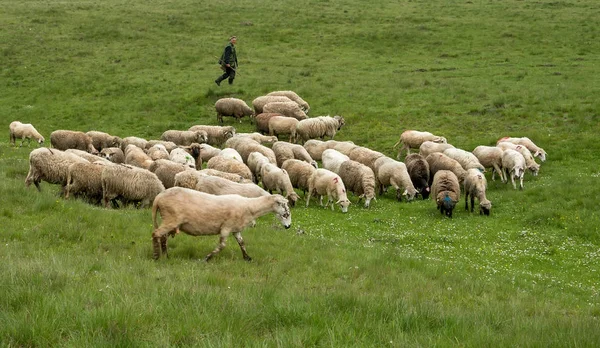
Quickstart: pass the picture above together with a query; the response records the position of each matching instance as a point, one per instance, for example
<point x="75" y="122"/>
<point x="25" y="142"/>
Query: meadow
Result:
<point x="397" y="274"/>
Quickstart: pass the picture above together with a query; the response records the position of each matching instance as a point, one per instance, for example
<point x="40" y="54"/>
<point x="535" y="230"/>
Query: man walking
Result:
<point x="228" y="62"/>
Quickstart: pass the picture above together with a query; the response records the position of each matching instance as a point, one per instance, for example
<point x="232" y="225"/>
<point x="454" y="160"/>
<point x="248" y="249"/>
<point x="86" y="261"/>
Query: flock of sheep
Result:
<point x="244" y="169"/>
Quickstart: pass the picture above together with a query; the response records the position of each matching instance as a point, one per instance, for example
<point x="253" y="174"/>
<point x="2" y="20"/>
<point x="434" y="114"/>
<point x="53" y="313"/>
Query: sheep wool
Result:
<point x="216" y="135"/>
<point x="130" y="184"/>
<point x="418" y="170"/>
<point x="102" y="140"/>
<point x="51" y="166"/>
<point x="259" y="102"/>
<point x="358" y="179"/>
<point x="475" y="186"/>
<point x="233" y="107"/>
<point x="446" y="191"/>
<point x="325" y="182"/>
<point x="67" y="139"/>
<point x="289" y="109"/>
<point x="24" y="131"/>
<point x="294" y="97"/>
<point x="299" y="172"/>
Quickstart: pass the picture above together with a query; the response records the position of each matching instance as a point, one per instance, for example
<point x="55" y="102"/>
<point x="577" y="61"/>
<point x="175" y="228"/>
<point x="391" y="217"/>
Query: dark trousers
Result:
<point x="229" y="73"/>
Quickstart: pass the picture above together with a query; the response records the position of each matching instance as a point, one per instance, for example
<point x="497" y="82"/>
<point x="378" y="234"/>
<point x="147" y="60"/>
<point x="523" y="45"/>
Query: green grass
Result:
<point x="397" y="274"/>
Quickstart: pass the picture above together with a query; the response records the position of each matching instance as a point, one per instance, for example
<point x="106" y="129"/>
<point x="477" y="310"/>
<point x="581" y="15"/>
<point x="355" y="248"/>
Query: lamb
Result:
<point x="325" y="182"/>
<point x="466" y="159"/>
<point x="220" y="186"/>
<point x="216" y="135"/>
<point x="277" y="179"/>
<point x="256" y="161"/>
<point x="24" y="131"/>
<point x="284" y="151"/>
<point x="189" y="178"/>
<point x="439" y="161"/>
<point x="102" y="140"/>
<point x="446" y="190"/>
<point x="245" y="146"/>
<point x="232" y="107"/>
<point x="530" y="162"/>
<point x="130" y="184"/>
<point x="358" y="179"/>
<point x="169" y="145"/>
<point x="259" y="138"/>
<point x="319" y="127"/>
<point x="181" y="156"/>
<point x="230" y="166"/>
<point x="88" y="156"/>
<point x="418" y="170"/>
<point x="166" y="170"/>
<point x="158" y="151"/>
<point x="513" y="164"/>
<point x="289" y="109"/>
<point x="199" y="213"/>
<point x="281" y="125"/>
<point x="184" y="138"/>
<point x="85" y="179"/>
<point x="412" y="139"/>
<point x="490" y="157"/>
<point x="67" y="139"/>
<point x="429" y="147"/>
<point x="113" y="154"/>
<point x="393" y="173"/>
<point x="294" y="97"/>
<point x="137" y="141"/>
<point x="51" y="166"/>
<point x="137" y="157"/>
<point x="262" y="121"/>
<point x="259" y="102"/>
<point x="475" y="186"/>
<point x="333" y="159"/>
<point x="299" y="172"/>
<point x="536" y="150"/>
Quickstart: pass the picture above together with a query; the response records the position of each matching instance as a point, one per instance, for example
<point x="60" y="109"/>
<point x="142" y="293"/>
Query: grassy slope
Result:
<point x="394" y="273"/>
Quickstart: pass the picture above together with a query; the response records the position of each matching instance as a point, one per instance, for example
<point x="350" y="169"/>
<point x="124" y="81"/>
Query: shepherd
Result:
<point x="228" y="62"/>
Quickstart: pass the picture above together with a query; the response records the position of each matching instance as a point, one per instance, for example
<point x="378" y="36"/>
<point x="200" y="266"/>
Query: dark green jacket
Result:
<point x="229" y="56"/>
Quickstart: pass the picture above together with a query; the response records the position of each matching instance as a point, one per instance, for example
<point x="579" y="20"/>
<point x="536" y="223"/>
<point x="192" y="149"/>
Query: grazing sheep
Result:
<point x="429" y="147"/>
<point x="358" y="179"/>
<point x="229" y="165"/>
<point x="289" y="109"/>
<point x="137" y="141"/>
<point x="446" y="190"/>
<point x="194" y="151"/>
<point x="158" y="151"/>
<point x="198" y="213"/>
<point x="513" y="164"/>
<point x="344" y="147"/>
<point x="325" y="182"/>
<point x="466" y="159"/>
<point x="135" y="156"/>
<point x="184" y="138"/>
<point x="299" y="172"/>
<point x="216" y="135"/>
<point x="181" y="156"/>
<point x="294" y="97"/>
<point x="51" y="166"/>
<point x="276" y="179"/>
<point x="418" y="170"/>
<point x="88" y="156"/>
<point x="259" y="138"/>
<point x="284" y="151"/>
<point x="24" y="131"/>
<point x="206" y="152"/>
<point x="475" y="186"/>
<point x="393" y="173"/>
<point x="439" y="161"/>
<point x="259" y="102"/>
<point x="333" y="159"/>
<point x="536" y="150"/>
<point x="412" y="139"/>
<point x="231" y="153"/>
<point x="113" y="154"/>
<point x="281" y="125"/>
<point x="262" y="121"/>
<point x="102" y="140"/>
<point x="67" y="139"/>
<point x="315" y="148"/>
<point x="130" y="184"/>
<point x="232" y="107"/>
<point x="220" y="186"/>
<point x="85" y="179"/>
<point x="365" y="156"/>
<point x="530" y="162"/>
<point x="245" y="146"/>
<point x="490" y="157"/>
<point x="169" y="145"/>
<point x="256" y="161"/>
<point x="166" y="170"/>
<point x="189" y="178"/>
<point x="318" y="127"/>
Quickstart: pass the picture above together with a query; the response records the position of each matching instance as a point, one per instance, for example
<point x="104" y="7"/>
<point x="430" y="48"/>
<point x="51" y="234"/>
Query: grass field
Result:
<point x="397" y="274"/>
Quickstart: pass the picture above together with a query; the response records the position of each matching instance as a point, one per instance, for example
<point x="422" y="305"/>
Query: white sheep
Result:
<point x="276" y="179"/>
<point x="315" y="148"/>
<point x="333" y="159"/>
<point x="206" y="152"/>
<point x="51" y="166"/>
<point x="429" y="147"/>
<point x="135" y="156"/>
<point x="284" y="151"/>
<point x="113" y="154"/>
<point x="102" y="140"/>
<point x="189" y="178"/>
<point x="394" y="173"/>
<point x="325" y="182"/>
<point x="412" y="139"/>
<point x="232" y="107"/>
<point x="318" y="127"/>
<point x="166" y="170"/>
<point x="446" y="190"/>
<point x="158" y="151"/>
<point x="259" y="138"/>
<point x="181" y="156"/>
<point x="530" y="162"/>
<point x="289" y="109"/>
<point x="365" y="156"/>
<point x="490" y="157"/>
<point x="262" y="121"/>
<point x="184" y="138"/>
<point x="198" y="213"/>
<point x="536" y="150"/>
<point x="466" y="159"/>
<point x="88" y="156"/>
<point x="216" y="135"/>
<point x="85" y="179"/>
<point x="259" y="102"/>
<point x="130" y="184"/>
<point x="245" y="146"/>
<point x="294" y="97"/>
<point x="256" y="161"/>
<point x="24" y="131"/>
<point x="231" y="153"/>
<point x="169" y="145"/>
<point x="475" y="186"/>
<point x="220" y="186"/>
<point x="281" y="125"/>
<point x="438" y="161"/>
<point x="137" y="141"/>
<point x="230" y="166"/>
<point x="358" y="179"/>
<point x="513" y="164"/>
<point x="67" y="139"/>
<point x="299" y="172"/>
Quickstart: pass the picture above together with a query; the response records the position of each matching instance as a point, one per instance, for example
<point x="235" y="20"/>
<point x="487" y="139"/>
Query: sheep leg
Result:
<point x="159" y="239"/>
<point x="472" y="203"/>
<point x="163" y="245"/>
<point x="467" y="200"/>
<point x="240" y="240"/>
<point x="512" y="179"/>
<point x="220" y="246"/>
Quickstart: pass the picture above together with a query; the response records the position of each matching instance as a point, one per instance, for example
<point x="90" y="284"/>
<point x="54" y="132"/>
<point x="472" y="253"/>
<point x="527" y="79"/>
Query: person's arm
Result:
<point x="227" y="56"/>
